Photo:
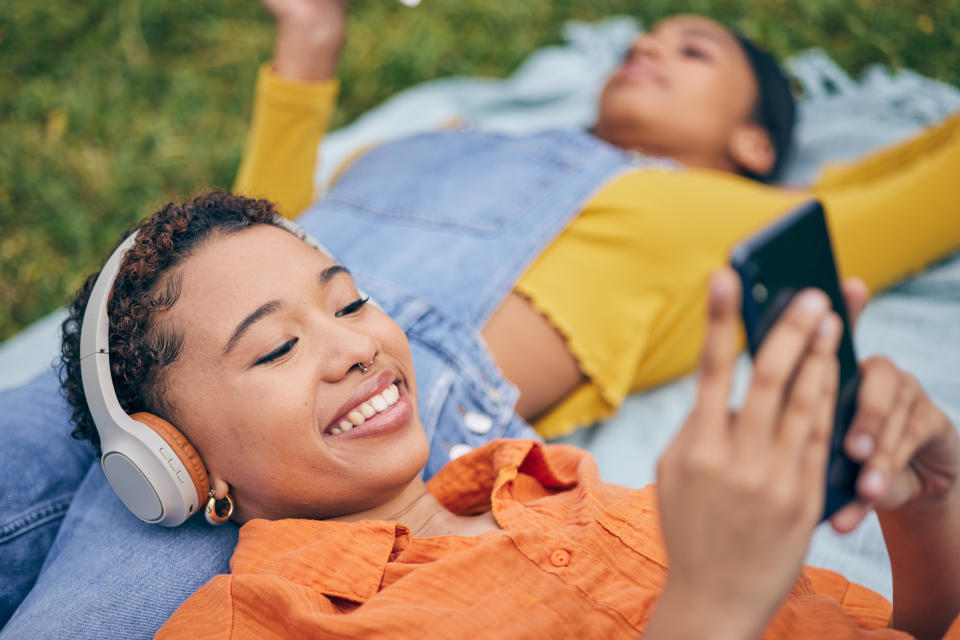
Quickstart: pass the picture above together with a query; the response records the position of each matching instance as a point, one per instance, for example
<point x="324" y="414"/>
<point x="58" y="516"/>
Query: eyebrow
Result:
<point x="264" y="310"/>
<point x="327" y="274"/>
<point x="706" y="33"/>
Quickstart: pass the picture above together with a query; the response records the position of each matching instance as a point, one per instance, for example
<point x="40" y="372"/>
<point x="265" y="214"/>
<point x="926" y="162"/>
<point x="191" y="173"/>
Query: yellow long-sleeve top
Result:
<point x="624" y="283"/>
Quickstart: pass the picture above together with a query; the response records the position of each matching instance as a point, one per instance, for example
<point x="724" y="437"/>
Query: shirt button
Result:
<point x="478" y="422"/>
<point x="458" y="450"/>
<point x="560" y="557"/>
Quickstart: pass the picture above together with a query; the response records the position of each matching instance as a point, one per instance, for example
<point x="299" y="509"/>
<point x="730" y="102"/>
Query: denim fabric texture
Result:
<point x="41" y="467"/>
<point x="445" y="221"/>
<point x="456" y="217"/>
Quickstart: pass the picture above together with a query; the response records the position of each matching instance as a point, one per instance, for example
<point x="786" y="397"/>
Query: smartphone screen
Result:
<point x="792" y="254"/>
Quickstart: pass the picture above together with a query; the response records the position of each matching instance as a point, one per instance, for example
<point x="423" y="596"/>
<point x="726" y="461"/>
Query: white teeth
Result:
<point x="391" y="394"/>
<point x="374" y="405"/>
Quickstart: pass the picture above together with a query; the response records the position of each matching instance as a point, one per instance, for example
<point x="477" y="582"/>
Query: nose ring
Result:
<point x="365" y="368"/>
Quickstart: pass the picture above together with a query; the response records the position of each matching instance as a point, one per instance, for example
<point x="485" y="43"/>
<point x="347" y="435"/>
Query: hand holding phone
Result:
<point x="741" y="492"/>
<point x="792" y="254"/>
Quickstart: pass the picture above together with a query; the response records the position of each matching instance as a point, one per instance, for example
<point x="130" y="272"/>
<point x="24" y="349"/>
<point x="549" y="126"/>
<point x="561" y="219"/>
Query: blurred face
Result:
<point x="684" y="90"/>
<point x="267" y="385"/>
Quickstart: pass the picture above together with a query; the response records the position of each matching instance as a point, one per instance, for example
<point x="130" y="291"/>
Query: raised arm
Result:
<point x="898" y="210"/>
<point x="295" y="99"/>
<point x="310" y="34"/>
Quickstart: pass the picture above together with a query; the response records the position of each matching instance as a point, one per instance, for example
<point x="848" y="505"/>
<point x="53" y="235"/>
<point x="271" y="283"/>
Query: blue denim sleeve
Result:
<point x="110" y="575"/>
<point x="40" y="469"/>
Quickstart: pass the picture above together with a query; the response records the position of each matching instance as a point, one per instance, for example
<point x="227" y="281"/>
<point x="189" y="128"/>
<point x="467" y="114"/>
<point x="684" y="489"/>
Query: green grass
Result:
<point x="108" y="109"/>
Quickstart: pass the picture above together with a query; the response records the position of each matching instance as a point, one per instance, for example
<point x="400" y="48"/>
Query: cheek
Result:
<point x="700" y="109"/>
<point x="724" y="98"/>
<point x="233" y="423"/>
<point x="394" y="342"/>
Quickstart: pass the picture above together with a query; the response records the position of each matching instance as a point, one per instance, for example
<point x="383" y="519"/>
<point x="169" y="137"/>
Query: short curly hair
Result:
<point x="146" y="284"/>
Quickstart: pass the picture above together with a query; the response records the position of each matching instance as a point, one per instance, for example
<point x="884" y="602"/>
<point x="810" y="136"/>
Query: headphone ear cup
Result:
<point x="182" y="447"/>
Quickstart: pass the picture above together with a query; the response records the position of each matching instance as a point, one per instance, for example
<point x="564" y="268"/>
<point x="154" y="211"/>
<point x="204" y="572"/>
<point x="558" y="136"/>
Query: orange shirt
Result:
<point x="576" y="558"/>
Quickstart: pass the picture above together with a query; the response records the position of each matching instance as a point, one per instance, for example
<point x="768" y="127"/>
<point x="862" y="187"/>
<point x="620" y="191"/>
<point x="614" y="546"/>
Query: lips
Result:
<point x="640" y="68"/>
<point x="372" y="403"/>
<point x="372" y="406"/>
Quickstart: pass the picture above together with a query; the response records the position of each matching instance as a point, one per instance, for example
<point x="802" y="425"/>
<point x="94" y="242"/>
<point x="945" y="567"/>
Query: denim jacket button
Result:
<point x="458" y="450"/>
<point x="478" y="423"/>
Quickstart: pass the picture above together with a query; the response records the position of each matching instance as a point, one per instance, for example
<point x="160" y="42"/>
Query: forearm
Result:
<point x="681" y="615"/>
<point x="923" y="539"/>
<point x="295" y="99"/>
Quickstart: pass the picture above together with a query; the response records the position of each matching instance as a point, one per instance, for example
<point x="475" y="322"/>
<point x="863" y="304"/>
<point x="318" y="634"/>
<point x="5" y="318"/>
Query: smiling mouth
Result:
<point x="374" y="405"/>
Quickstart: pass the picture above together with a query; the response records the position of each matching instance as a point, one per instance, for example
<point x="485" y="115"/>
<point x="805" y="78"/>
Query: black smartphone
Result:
<point x="791" y="254"/>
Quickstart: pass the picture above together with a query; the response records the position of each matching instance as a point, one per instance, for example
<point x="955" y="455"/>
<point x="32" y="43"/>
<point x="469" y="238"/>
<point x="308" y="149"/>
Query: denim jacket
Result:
<point x="445" y="221"/>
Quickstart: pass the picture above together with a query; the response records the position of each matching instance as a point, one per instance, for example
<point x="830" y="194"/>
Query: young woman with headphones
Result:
<point x="295" y="405"/>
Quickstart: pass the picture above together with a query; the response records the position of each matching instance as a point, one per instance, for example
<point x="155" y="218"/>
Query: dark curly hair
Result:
<point x="775" y="109"/>
<point x="146" y="284"/>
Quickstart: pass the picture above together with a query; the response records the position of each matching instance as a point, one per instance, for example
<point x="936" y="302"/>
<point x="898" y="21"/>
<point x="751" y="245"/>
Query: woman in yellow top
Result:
<point x="689" y="91"/>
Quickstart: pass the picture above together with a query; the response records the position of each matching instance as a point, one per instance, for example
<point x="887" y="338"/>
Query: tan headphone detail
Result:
<point x="179" y="445"/>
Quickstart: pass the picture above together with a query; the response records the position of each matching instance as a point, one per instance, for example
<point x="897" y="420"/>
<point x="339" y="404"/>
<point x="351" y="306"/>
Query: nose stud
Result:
<point x="365" y="368"/>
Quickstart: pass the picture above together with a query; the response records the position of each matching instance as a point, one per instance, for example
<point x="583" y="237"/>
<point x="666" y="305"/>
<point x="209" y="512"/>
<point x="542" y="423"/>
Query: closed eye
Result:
<point x="353" y="307"/>
<point x="279" y="352"/>
<point x="695" y="52"/>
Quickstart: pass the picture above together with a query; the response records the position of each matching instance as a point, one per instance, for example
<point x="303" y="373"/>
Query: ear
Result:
<point x="220" y="487"/>
<point x="751" y="149"/>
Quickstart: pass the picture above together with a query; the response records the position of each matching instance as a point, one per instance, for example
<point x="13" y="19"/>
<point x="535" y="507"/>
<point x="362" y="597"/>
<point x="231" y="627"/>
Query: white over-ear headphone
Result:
<point x="154" y="469"/>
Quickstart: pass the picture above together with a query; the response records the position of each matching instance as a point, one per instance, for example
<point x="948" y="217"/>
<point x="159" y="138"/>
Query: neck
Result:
<point x="418" y="510"/>
<point x="688" y="157"/>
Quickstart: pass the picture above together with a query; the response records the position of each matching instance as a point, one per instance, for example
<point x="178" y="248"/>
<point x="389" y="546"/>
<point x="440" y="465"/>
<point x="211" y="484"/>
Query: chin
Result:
<point x="623" y="115"/>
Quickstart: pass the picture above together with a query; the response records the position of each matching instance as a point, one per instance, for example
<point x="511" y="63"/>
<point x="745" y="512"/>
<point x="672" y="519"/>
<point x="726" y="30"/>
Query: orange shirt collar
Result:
<point x="347" y="559"/>
<point x="339" y="559"/>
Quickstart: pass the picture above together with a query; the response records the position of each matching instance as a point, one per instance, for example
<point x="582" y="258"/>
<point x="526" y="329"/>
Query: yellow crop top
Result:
<point x="639" y="254"/>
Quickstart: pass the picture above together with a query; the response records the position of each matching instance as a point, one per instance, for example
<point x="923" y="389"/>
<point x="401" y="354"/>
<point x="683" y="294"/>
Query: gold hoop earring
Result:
<point x="215" y="516"/>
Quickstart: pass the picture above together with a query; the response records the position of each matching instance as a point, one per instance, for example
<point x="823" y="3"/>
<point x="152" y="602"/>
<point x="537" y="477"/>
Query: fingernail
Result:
<point x="872" y="482"/>
<point x="813" y="301"/>
<point x="719" y="287"/>
<point x="861" y="446"/>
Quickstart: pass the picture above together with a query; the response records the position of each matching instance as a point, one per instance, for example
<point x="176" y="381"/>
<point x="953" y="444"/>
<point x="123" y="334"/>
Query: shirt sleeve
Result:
<point x="290" y="119"/>
<point x="869" y="609"/>
<point x="896" y="211"/>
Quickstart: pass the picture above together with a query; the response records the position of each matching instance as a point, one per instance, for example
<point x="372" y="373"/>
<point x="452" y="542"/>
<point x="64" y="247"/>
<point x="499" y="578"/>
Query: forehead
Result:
<point x="230" y="275"/>
<point x="260" y="252"/>
<point x="698" y="25"/>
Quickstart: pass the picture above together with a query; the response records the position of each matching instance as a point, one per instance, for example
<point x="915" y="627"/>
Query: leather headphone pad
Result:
<point x="184" y="450"/>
